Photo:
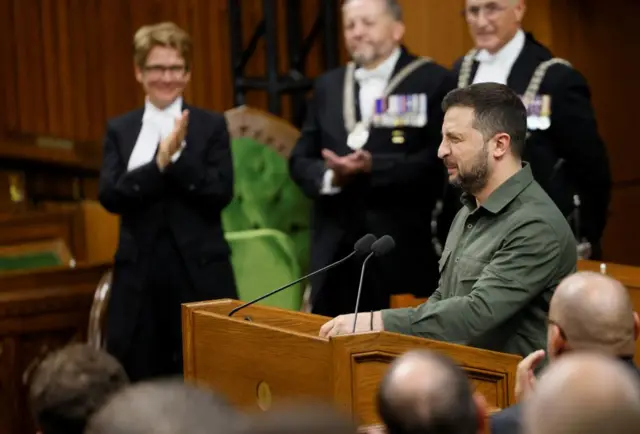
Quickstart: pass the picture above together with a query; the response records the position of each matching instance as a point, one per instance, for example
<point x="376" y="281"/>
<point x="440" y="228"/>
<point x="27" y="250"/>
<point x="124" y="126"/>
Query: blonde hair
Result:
<point x="165" y="34"/>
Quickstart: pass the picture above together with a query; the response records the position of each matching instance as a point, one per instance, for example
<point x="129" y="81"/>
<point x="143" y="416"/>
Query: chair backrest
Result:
<point x="265" y="196"/>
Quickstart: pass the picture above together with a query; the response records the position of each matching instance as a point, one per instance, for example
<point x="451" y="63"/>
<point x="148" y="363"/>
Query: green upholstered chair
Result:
<point x="265" y="197"/>
<point x="265" y="259"/>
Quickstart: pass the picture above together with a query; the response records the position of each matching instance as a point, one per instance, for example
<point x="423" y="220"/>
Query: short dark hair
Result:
<point x="452" y="412"/>
<point x="164" y="406"/>
<point x="393" y="7"/>
<point x="497" y="109"/>
<point x="71" y="384"/>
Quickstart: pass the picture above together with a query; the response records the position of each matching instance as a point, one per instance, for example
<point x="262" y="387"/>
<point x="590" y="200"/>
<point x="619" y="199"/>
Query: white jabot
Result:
<point x="157" y="124"/>
<point x="373" y="81"/>
<point x="497" y="67"/>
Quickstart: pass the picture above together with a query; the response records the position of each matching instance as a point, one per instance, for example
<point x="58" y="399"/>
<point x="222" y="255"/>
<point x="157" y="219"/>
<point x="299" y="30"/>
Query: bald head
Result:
<point x="427" y="392"/>
<point x="594" y="312"/>
<point x="584" y="394"/>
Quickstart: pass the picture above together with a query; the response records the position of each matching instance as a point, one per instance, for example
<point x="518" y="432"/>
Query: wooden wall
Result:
<point x="602" y="42"/>
<point x="598" y="41"/>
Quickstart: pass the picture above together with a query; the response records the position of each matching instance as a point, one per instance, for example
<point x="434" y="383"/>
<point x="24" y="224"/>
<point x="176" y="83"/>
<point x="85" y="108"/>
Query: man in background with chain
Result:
<point x="567" y="155"/>
<point x="367" y="157"/>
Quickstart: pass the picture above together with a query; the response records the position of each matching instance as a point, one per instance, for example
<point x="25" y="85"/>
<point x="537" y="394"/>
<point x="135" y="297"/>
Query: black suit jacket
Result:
<point x="508" y="421"/>
<point x="188" y="197"/>
<point x="569" y="157"/>
<point x="396" y="198"/>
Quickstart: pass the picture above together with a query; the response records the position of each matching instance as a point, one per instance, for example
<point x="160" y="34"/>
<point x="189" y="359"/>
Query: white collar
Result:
<point x="382" y="71"/>
<point x="507" y="54"/>
<point x="173" y="110"/>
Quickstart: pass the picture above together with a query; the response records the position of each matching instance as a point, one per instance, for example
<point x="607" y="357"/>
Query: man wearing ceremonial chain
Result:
<point x="567" y="155"/>
<point x="367" y="156"/>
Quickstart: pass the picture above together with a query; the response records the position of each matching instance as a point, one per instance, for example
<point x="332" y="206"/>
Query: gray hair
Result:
<point x="393" y="8"/>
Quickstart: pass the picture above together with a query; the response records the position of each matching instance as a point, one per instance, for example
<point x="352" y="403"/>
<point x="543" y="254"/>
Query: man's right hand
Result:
<point x="525" y="377"/>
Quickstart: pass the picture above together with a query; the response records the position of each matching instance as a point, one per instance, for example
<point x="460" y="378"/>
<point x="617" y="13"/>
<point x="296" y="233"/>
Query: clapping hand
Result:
<point x="173" y="142"/>
<point x="344" y="167"/>
<point x="525" y="377"/>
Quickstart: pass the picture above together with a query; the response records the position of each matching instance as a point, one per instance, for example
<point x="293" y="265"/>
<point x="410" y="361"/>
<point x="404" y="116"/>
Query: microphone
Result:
<point x="380" y="248"/>
<point x="360" y="248"/>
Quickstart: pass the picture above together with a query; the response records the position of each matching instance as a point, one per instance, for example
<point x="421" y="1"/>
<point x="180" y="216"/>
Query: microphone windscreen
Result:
<point x="363" y="245"/>
<point x="383" y="246"/>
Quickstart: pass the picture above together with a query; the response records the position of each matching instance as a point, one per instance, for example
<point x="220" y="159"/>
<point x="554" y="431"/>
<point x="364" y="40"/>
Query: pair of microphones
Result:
<point x="368" y="245"/>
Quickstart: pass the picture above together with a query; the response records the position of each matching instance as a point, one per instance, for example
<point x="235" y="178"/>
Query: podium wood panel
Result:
<point x="264" y="355"/>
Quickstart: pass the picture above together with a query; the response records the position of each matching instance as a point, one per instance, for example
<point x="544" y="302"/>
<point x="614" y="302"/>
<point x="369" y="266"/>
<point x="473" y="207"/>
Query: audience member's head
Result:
<point x="584" y="393"/>
<point x="302" y="418"/>
<point x="71" y="384"/>
<point x="425" y="392"/>
<point x="591" y="311"/>
<point x="164" y="407"/>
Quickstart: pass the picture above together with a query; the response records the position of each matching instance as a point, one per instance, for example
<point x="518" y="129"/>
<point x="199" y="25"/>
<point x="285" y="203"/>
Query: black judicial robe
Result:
<point x="171" y="248"/>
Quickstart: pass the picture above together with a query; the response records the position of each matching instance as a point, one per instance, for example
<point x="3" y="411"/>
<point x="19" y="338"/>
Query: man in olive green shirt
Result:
<point x="508" y="247"/>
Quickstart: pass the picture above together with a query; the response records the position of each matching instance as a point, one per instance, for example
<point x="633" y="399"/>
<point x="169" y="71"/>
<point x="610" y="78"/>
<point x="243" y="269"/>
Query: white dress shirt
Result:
<point x="497" y="67"/>
<point x="372" y="83"/>
<point x="157" y="124"/>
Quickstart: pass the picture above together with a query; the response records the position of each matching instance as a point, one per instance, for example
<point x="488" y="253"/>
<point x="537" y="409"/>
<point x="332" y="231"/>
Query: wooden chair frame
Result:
<point x="277" y="133"/>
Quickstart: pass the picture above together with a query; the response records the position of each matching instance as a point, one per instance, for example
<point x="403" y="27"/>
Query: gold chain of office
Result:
<point x="534" y="84"/>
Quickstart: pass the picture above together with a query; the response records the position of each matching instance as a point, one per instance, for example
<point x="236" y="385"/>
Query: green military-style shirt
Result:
<point x="498" y="270"/>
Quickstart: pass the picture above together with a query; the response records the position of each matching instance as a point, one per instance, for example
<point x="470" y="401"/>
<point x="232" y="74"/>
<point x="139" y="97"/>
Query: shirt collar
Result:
<point x="172" y="111"/>
<point x="382" y="71"/>
<point x="505" y="193"/>
<point x="507" y="54"/>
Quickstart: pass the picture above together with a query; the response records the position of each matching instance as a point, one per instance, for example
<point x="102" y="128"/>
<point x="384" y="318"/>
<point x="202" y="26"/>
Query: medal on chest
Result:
<point x="358" y="137"/>
<point x="358" y="132"/>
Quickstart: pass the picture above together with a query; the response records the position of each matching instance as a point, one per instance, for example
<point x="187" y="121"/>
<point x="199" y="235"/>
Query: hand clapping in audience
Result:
<point x="525" y="377"/>
<point x="348" y="165"/>
<point x="173" y="142"/>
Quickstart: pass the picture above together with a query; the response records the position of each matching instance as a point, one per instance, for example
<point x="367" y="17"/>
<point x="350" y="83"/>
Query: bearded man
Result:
<point x="509" y="245"/>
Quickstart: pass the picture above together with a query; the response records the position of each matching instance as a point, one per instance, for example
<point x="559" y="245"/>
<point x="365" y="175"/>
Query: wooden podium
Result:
<point x="264" y="355"/>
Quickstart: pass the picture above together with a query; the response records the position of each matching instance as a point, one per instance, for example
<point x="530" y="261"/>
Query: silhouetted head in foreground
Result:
<point x="425" y="392"/>
<point x="164" y="407"/>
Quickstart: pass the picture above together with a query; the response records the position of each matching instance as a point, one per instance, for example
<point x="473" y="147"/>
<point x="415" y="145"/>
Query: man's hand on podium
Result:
<point x="343" y="324"/>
